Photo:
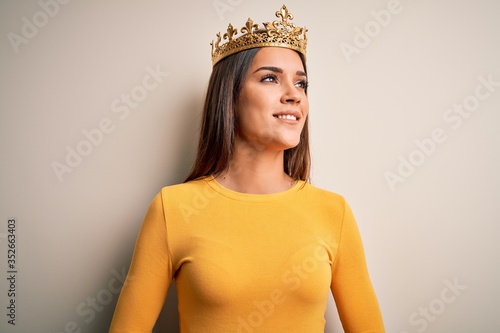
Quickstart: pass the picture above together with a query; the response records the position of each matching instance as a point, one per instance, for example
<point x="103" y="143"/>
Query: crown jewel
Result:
<point x="278" y="33"/>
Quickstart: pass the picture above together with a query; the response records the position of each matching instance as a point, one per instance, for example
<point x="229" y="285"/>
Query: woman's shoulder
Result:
<point x="321" y="193"/>
<point x="180" y="190"/>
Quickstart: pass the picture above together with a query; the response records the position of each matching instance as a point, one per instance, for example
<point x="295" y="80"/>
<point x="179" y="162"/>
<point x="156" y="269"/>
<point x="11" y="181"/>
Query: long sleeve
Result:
<point x="149" y="277"/>
<point x="351" y="286"/>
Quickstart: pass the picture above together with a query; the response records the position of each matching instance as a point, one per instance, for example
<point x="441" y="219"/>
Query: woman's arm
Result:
<point x="149" y="277"/>
<point x="351" y="286"/>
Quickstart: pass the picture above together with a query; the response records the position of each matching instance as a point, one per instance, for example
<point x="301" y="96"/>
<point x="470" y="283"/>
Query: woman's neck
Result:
<point x="255" y="172"/>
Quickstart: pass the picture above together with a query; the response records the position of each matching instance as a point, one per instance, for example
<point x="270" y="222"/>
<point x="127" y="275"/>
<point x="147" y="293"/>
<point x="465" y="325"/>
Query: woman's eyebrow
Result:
<point x="278" y="70"/>
<point x="270" y="68"/>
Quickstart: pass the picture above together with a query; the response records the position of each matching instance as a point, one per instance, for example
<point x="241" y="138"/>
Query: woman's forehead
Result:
<point x="286" y="59"/>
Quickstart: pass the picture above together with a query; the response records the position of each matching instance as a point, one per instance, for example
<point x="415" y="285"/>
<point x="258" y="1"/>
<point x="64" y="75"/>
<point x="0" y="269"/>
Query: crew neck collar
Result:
<point x="215" y="185"/>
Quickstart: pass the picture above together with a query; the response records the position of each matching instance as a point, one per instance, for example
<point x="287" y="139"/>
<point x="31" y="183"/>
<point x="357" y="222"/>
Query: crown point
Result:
<point x="249" y="27"/>
<point x="284" y="14"/>
<point x="231" y="31"/>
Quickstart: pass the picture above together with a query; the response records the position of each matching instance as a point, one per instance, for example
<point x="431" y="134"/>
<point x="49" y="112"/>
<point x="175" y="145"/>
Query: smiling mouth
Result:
<point x="286" y="117"/>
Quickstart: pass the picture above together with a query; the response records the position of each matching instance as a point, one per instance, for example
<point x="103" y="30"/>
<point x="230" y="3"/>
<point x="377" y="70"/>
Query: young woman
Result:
<point x="251" y="244"/>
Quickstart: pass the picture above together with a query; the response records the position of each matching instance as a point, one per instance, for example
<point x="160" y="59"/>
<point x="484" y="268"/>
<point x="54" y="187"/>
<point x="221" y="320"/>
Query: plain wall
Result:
<point x="404" y="96"/>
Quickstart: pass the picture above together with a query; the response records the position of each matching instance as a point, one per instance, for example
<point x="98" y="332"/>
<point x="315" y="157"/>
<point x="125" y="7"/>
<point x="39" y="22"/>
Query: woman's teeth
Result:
<point x="287" y="116"/>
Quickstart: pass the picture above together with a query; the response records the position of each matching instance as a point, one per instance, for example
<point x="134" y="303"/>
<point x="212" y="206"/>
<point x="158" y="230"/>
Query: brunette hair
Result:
<point x="219" y="122"/>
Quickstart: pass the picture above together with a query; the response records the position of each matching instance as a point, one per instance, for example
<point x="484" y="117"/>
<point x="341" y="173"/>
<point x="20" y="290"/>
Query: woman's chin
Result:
<point x="290" y="143"/>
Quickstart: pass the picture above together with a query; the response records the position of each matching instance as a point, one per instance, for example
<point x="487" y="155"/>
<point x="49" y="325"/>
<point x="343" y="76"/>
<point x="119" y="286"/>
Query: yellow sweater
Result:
<point x="247" y="263"/>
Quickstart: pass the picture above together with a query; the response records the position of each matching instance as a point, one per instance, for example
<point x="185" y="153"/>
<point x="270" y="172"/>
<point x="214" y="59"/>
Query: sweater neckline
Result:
<point x="240" y="196"/>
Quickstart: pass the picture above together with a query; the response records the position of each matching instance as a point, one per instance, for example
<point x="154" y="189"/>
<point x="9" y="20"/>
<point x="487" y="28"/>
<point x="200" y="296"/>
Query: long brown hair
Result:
<point x="219" y="122"/>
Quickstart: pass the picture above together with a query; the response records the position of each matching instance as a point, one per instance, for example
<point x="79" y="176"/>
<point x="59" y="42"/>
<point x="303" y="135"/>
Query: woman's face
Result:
<point x="273" y="106"/>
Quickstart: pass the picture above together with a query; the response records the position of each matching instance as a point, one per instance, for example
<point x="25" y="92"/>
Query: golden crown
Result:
<point x="278" y="33"/>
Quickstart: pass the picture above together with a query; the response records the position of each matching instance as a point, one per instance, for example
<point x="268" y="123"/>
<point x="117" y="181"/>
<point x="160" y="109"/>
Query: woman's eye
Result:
<point x="302" y="84"/>
<point x="269" y="78"/>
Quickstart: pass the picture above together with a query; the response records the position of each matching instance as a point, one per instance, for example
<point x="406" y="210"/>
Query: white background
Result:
<point x="436" y="225"/>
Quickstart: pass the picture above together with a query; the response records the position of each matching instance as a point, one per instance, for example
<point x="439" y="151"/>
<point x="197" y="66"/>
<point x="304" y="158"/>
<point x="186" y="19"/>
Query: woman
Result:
<point x="253" y="246"/>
